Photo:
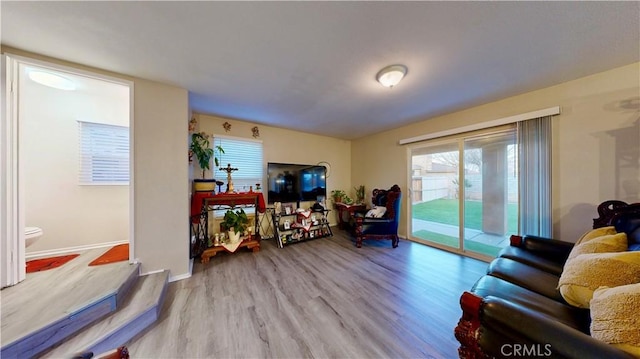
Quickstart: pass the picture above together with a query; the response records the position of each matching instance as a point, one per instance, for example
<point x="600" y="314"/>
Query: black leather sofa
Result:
<point x="516" y="309"/>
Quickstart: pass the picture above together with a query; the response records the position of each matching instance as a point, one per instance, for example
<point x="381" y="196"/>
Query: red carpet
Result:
<point x="38" y="265"/>
<point x="115" y="254"/>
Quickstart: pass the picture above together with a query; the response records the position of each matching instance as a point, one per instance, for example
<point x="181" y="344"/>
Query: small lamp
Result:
<point x="391" y="75"/>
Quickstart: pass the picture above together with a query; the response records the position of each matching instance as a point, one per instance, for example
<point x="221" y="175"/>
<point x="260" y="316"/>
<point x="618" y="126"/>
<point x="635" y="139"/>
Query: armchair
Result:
<point x="385" y="227"/>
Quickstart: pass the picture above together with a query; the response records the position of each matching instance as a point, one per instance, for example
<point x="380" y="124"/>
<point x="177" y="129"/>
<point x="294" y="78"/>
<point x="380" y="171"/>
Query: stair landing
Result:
<point x="49" y="306"/>
<point x="140" y="310"/>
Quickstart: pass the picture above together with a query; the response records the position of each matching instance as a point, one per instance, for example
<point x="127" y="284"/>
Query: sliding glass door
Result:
<point x="464" y="192"/>
<point x="435" y="209"/>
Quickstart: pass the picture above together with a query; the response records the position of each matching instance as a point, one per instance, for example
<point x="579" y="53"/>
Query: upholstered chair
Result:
<point x="381" y="222"/>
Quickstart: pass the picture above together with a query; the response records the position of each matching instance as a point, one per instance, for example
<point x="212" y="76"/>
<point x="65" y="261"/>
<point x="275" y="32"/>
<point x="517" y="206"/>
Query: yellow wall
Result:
<point x="161" y="198"/>
<point x="595" y="154"/>
<point x="595" y="145"/>
<point x="286" y="146"/>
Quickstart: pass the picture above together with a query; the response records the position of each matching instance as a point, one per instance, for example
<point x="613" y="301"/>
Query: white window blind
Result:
<point x="104" y="154"/>
<point x="243" y="154"/>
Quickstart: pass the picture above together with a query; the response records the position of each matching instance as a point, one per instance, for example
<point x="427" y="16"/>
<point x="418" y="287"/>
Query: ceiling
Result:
<point x="311" y="66"/>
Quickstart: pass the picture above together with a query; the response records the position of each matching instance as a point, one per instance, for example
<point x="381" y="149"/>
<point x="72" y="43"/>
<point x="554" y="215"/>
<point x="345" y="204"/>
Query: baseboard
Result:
<point x="69" y="250"/>
<point x="179" y="277"/>
<point x="152" y="272"/>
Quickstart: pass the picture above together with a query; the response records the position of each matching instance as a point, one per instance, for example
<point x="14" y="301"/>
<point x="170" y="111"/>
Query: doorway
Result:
<point x="46" y="161"/>
<point x="465" y="192"/>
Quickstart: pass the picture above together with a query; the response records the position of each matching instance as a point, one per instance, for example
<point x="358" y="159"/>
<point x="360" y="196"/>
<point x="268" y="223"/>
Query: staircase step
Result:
<point x="138" y="311"/>
<point x="50" y="306"/>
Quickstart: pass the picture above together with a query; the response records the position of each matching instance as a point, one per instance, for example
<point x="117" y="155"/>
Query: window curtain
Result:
<point x="534" y="143"/>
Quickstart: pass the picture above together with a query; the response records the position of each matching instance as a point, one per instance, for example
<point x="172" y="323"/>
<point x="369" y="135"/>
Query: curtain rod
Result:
<point x="551" y="111"/>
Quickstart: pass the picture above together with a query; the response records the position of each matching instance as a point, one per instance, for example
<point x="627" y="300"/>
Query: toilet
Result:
<point x="31" y="235"/>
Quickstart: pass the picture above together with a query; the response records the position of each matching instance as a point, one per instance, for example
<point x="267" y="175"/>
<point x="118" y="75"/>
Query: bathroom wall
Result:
<point x="70" y="215"/>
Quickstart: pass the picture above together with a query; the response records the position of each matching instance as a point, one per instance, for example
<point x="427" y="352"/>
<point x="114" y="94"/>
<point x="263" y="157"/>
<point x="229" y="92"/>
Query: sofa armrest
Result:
<point x="544" y="247"/>
<point x="538" y="331"/>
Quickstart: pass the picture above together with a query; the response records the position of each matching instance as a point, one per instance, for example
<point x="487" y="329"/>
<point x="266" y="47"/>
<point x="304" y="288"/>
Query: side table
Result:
<point x="349" y="209"/>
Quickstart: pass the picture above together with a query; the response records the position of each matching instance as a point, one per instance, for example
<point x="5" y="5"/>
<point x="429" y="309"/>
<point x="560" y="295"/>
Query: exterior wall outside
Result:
<point x="596" y="143"/>
<point x="286" y="146"/>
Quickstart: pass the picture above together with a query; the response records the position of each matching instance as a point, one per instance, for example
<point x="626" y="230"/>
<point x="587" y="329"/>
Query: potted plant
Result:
<point x="359" y="194"/>
<point x="337" y="195"/>
<point x="201" y="148"/>
<point x="235" y="223"/>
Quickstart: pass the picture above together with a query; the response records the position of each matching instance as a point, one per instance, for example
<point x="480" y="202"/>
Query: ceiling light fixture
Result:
<point x="51" y="79"/>
<point x="391" y="75"/>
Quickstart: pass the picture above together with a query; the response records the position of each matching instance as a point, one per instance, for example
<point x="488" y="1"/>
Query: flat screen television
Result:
<point x="287" y="182"/>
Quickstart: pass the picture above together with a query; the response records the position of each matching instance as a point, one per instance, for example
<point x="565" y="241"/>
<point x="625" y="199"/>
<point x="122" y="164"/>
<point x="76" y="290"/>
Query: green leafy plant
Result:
<point x="337" y="195"/>
<point x="359" y="194"/>
<point x="201" y="148"/>
<point x="237" y="220"/>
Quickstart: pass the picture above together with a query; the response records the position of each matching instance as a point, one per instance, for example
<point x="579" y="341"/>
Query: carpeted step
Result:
<point x="139" y="311"/>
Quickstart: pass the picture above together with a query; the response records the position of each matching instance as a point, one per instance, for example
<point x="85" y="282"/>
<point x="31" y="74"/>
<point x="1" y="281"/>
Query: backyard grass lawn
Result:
<point x="446" y="211"/>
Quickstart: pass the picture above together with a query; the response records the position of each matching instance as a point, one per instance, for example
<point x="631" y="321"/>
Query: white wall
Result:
<point x="69" y="214"/>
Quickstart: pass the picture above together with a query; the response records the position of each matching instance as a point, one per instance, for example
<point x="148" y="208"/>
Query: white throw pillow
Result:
<point x="376" y="212"/>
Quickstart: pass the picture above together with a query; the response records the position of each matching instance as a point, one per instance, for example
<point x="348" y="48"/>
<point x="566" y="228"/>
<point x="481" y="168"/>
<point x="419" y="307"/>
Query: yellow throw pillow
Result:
<point x="587" y="272"/>
<point x="606" y="243"/>
<point x="615" y="317"/>
<point x="595" y="233"/>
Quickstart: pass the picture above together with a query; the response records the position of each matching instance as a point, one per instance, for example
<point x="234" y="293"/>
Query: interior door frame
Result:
<point x="12" y="209"/>
<point x="12" y="241"/>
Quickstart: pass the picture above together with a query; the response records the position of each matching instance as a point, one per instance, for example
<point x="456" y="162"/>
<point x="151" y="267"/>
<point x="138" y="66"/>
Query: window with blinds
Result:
<point x="104" y="154"/>
<point x="243" y="154"/>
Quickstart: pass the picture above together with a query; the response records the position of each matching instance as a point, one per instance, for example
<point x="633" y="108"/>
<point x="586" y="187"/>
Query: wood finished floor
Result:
<point x="24" y="309"/>
<point x="323" y="298"/>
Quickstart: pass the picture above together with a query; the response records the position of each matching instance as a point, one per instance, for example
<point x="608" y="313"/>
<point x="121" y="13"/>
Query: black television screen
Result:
<point x="287" y="182"/>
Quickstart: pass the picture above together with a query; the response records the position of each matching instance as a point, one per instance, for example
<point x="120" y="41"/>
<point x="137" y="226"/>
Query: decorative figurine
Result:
<point x="229" y="169"/>
<point x="192" y="124"/>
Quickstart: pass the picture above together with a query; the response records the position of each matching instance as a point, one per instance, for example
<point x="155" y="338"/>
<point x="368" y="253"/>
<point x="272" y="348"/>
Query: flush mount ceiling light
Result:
<point x="391" y="75"/>
<point x="51" y="79"/>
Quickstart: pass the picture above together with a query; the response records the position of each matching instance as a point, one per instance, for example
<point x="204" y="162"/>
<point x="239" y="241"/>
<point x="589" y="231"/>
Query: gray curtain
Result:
<point x="534" y="156"/>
